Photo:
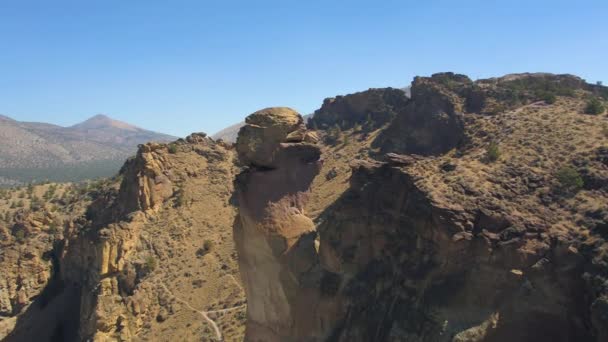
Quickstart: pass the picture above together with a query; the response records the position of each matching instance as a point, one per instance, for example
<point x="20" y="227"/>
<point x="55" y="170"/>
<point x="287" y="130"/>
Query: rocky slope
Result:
<point x="94" y="148"/>
<point x="494" y="231"/>
<point x="470" y="211"/>
<point x="152" y="257"/>
<point x="32" y="224"/>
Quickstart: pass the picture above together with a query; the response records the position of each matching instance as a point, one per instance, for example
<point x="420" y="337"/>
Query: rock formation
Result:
<point x="372" y="108"/>
<point x="474" y="211"/>
<point x="434" y="241"/>
<point x="413" y="267"/>
<point x="117" y="272"/>
<point x="274" y="238"/>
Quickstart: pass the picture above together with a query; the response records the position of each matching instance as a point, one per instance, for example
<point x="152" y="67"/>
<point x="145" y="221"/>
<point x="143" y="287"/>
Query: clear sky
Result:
<point x="185" y="66"/>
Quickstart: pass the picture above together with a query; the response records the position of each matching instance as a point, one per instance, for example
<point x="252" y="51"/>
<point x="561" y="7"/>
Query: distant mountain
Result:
<point x="229" y="133"/>
<point x="94" y="148"/>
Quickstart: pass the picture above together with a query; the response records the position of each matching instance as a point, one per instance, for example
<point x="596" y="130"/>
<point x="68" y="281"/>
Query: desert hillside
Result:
<point x="97" y="147"/>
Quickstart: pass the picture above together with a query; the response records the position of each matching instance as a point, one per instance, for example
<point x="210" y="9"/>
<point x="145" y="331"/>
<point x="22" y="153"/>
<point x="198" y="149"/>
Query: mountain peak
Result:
<point x="103" y="121"/>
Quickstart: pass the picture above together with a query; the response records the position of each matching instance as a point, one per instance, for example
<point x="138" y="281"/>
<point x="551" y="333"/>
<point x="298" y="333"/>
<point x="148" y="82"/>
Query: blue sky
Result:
<point x="187" y="66"/>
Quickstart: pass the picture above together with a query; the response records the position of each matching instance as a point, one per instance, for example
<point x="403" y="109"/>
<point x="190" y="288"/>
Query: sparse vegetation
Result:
<point x="36" y="204"/>
<point x="172" y="148"/>
<point x="569" y="179"/>
<point x="207" y="247"/>
<point x="334" y="135"/>
<point x="548" y="97"/>
<point x="20" y="236"/>
<point x="53" y="228"/>
<point x="594" y="106"/>
<point x="150" y="263"/>
<point x="492" y="152"/>
<point x="180" y="199"/>
<point x="345" y="140"/>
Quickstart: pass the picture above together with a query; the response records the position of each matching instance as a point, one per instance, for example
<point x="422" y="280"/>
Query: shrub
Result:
<point x="36" y="204"/>
<point x="53" y="228"/>
<point x="333" y="135"/>
<point x="569" y="179"/>
<point x="180" y="199"/>
<point x="492" y="152"/>
<point x="345" y="140"/>
<point x="548" y="97"/>
<point x="150" y="263"/>
<point x="172" y="148"/>
<point x="207" y="247"/>
<point x="20" y="235"/>
<point x="594" y="106"/>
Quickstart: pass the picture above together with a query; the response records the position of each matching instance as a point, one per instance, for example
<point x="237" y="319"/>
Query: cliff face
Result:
<point x="127" y="258"/>
<point x="274" y="238"/>
<point x="372" y="108"/>
<point x="459" y="246"/>
<point x="469" y="232"/>
<point x="30" y="271"/>
<point x="131" y="267"/>
<point x="472" y="211"/>
<point x="413" y="267"/>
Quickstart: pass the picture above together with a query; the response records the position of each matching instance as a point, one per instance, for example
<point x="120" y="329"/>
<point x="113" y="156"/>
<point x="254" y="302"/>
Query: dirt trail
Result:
<point x="218" y="333"/>
<point x="205" y="314"/>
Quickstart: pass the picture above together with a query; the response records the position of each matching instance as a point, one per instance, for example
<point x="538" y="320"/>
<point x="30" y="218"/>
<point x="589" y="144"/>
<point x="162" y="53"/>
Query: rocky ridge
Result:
<point x="457" y="244"/>
<point x="472" y="211"/>
<point x="149" y="255"/>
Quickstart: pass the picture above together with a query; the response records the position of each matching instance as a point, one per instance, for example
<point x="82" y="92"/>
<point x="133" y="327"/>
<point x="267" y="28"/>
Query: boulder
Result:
<point x="259" y="140"/>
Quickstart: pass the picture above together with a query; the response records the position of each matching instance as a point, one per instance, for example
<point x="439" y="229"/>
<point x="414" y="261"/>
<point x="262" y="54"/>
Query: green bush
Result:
<point x="492" y="152"/>
<point x="150" y="263"/>
<point x="180" y="198"/>
<point x="569" y="179"/>
<point x="548" y="97"/>
<point x="594" y="106"/>
<point x="20" y="235"/>
<point x="207" y="247"/>
<point x="172" y="148"/>
<point x="53" y="228"/>
<point x="334" y="135"/>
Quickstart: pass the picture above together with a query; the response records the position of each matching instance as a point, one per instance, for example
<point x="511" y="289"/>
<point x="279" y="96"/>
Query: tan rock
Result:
<point x="273" y="236"/>
<point x="258" y="141"/>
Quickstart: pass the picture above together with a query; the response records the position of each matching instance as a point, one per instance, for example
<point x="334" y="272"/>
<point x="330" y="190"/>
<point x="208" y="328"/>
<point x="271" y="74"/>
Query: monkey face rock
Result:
<point x="274" y="238"/>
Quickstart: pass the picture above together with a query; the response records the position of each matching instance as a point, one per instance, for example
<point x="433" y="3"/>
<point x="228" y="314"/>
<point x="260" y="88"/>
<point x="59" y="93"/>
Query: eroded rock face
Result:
<point x="431" y="122"/>
<point x="259" y="141"/>
<point x="372" y="108"/>
<point x="274" y="238"/>
<point x="410" y="267"/>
